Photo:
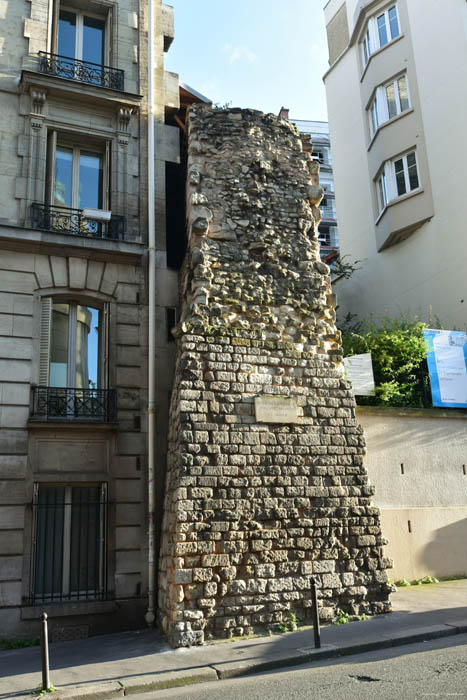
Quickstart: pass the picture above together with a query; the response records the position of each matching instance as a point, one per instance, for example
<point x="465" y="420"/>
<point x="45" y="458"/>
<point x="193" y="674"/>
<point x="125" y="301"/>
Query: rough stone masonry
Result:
<point x="266" y="485"/>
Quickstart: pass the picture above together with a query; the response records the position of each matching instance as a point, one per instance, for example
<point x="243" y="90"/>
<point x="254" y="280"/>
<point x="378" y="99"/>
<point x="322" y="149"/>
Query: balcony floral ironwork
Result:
<point x="46" y="217"/>
<point x="67" y="404"/>
<point x="81" y="71"/>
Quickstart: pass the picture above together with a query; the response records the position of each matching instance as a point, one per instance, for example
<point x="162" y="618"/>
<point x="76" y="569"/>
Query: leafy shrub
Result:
<point x="398" y="353"/>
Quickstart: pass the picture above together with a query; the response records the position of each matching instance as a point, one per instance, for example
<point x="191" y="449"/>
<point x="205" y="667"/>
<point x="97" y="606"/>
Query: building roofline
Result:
<point x="194" y="92"/>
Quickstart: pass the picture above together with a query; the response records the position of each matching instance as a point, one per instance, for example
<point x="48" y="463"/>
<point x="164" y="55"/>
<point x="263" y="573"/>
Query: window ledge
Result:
<point x="378" y="51"/>
<point x="387" y="123"/>
<point x="93" y="93"/>
<point x="85" y="607"/>
<point x="39" y="424"/>
<point x="25" y="238"/>
<point x="402" y="198"/>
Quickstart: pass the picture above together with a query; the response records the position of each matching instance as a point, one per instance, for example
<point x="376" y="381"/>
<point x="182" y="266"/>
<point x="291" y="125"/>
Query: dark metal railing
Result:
<point x="81" y="71"/>
<point x="67" y="404"/>
<point x="47" y="217"/>
<point x="69" y="544"/>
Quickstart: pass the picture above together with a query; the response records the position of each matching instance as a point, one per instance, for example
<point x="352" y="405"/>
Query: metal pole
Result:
<point x="45" y="654"/>
<point x="314" y="610"/>
<point x="150" y="614"/>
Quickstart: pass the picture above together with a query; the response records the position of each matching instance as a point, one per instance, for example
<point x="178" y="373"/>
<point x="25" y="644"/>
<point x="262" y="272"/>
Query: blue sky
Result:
<point x="263" y="54"/>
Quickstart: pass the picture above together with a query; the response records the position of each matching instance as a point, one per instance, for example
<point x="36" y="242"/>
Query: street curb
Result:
<point x="170" y="679"/>
<point x="204" y="674"/>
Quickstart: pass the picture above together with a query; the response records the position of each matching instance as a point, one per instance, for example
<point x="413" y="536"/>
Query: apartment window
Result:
<point x="79" y="178"/>
<point x="366" y="47"/>
<point x="77" y="188"/>
<point x="73" y="363"/>
<point x="406" y="174"/>
<point x="397" y="177"/>
<point x="381" y="29"/>
<point x="78" y="192"/>
<point x="319" y="155"/>
<point x="82" y="45"/>
<point x="81" y="37"/>
<point x="69" y="543"/>
<point x="382" y="191"/>
<point x="390" y="100"/>
<point x="324" y="235"/>
<point x="75" y="340"/>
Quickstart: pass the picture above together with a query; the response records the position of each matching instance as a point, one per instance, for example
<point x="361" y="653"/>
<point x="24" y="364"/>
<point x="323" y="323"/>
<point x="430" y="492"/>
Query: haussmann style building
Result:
<point x="74" y="308"/>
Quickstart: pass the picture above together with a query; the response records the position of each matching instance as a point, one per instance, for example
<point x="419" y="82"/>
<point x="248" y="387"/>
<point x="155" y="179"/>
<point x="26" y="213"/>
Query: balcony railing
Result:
<point x="66" y="404"/>
<point x="46" y="217"/>
<point x="81" y="71"/>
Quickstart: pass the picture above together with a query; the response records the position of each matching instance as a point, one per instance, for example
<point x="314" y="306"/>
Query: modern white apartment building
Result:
<point x="397" y="115"/>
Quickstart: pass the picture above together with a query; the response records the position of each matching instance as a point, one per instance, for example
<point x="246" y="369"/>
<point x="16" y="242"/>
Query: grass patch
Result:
<point x="20" y="643"/>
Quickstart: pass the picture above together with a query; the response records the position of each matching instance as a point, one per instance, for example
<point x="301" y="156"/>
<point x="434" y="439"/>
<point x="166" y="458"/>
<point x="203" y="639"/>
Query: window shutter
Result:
<point x="44" y="341"/>
<point x="50" y="167"/>
<point x="105" y="345"/>
<point x="107" y="186"/>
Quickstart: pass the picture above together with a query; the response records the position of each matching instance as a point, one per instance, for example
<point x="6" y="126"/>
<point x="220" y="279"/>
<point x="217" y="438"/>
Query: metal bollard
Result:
<point x="314" y="609"/>
<point x="45" y="654"/>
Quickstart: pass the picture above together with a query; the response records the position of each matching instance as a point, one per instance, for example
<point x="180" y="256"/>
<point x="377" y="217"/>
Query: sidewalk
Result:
<point x="115" y="665"/>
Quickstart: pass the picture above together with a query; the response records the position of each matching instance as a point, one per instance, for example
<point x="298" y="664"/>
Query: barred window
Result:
<point x="69" y="543"/>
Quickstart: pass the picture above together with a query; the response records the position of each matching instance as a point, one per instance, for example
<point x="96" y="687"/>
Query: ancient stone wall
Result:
<point x="266" y="484"/>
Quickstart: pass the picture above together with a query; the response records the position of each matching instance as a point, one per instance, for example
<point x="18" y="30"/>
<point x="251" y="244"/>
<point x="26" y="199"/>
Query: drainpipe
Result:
<point x="150" y="614"/>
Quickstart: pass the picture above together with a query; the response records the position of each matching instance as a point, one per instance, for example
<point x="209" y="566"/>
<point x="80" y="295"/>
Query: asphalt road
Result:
<point x="423" y="671"/>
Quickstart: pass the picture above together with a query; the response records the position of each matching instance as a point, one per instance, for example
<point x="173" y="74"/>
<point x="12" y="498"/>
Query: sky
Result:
<point x="262" y="54"/>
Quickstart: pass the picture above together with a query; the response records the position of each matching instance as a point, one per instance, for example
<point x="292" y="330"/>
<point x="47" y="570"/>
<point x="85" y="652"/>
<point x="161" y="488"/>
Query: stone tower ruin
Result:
<point x="265" y="484"/>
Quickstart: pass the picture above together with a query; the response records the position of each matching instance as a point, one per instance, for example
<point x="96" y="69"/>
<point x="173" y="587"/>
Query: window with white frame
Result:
<point x="382" y="191"/>
<point x="381" y="29"/>
<point x="397" y="177"/>
<point x="69" y="542"/>
<point x="390" y="100"/>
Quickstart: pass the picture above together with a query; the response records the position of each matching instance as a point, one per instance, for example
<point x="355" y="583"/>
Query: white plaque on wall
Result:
<point x="359" y="371"/>
<point x="275" y="409"/>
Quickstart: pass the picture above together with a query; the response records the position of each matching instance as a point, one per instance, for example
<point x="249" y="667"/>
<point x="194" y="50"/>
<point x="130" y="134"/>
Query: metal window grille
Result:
<point x="68" y="404"/>
<point x="69" y="548"/>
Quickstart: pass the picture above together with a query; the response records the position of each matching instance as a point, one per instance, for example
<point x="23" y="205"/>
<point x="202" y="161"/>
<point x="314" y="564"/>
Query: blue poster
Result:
<point x="447" y="365"/>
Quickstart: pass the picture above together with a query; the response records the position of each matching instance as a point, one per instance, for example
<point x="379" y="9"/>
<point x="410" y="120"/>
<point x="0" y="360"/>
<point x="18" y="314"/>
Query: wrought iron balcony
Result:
<point x="66" y="404"/>
<point x="81" y="71"/>
<point x="46" y="217"/>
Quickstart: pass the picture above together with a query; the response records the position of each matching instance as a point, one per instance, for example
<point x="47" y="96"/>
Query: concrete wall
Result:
<point x="417" y="461"/>
<point x="426" y="270"/>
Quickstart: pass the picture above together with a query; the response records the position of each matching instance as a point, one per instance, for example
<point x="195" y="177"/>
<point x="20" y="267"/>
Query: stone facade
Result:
<point x="42" y="109"/>
<point x="266" y="484"/>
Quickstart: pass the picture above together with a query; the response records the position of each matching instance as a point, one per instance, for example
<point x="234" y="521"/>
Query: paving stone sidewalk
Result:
<point x="116" y="665"/>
